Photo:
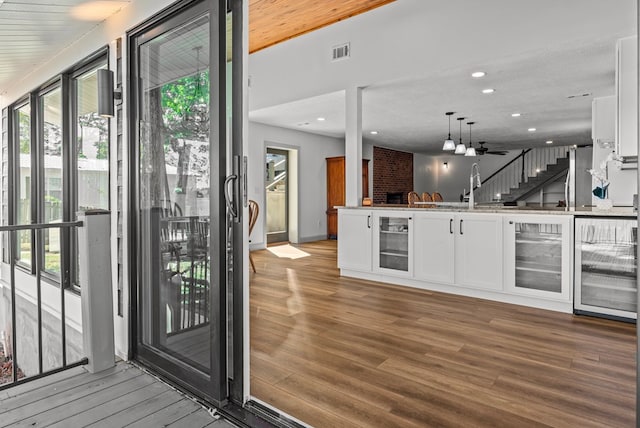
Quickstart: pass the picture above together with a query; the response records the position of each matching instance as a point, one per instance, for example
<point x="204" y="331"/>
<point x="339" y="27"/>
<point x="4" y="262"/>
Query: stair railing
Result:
<point x="518" y="170"/>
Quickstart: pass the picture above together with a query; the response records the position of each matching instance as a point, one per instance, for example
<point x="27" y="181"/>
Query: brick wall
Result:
<point x="392" y="172"/>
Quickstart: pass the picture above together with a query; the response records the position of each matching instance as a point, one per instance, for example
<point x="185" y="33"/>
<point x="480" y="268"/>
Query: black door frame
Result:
<point x="213" y="387"/>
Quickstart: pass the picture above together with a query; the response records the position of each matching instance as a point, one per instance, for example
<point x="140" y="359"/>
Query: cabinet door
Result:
<point x="606" y="266"/>
<point x="392" y="246"/>
<point x="478" y="249"/>
<point x="434" y="247"/>
<point x="538" y="256"/>
<point x="354" y="239"/>
<point x="627" y="92"/>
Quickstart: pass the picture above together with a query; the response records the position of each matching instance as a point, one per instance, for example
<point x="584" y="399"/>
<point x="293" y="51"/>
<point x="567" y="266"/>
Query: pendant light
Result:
<point x="471" y="151"/>
<point x="449" y="144"/>
<point x="460" y="148"/>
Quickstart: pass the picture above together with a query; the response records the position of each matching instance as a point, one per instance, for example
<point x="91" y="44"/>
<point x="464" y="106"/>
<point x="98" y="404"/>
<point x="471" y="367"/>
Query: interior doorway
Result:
<point x="277" y="195"/>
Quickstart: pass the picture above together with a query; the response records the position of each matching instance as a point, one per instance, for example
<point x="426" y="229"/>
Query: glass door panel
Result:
<point x="394" y="243"/>
<point x="181" y="259"/>
<point x="607" y="255"/>
<point x="539" y="256"/>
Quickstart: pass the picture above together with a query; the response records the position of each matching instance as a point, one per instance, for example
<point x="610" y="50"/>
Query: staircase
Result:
<point x="525" y="175"/>
<point x="533" y="184"/>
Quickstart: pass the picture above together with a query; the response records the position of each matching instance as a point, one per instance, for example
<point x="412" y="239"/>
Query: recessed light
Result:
<point x="515" y="115"/>
<point x="531" y="129"/>
<point x="478" y="74"/>
<point x="373" y="132"/>
<point x="321" y="119"/>
<point x="537" y="169"/>
<point x="550" y="142"/>
<point x="488" y="91"/>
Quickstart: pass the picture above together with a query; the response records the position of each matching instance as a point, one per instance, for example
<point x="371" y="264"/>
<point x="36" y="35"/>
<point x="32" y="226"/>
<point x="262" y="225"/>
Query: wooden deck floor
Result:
<point x="341" y="352"/>
<point x="118" y="397"/>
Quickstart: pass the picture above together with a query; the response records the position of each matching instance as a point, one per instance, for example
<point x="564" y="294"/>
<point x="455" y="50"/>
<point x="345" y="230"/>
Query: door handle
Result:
<point x="227" y="197"/>
<point x="461" y="233"/>
<point x="451" y="226"/>
<point x="369" y="221"/>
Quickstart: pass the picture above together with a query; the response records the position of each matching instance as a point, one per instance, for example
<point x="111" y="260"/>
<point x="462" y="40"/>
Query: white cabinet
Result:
<point x="354" y="239"/>
<point x="603" y="120"/>
<point x="463" y="249"/>
<point x="538" y="256"/>
<point x="433" y="244"/>
<point x="392" y="243"/>
<point x="627" y="95"/>
<point x="478" y="250"/>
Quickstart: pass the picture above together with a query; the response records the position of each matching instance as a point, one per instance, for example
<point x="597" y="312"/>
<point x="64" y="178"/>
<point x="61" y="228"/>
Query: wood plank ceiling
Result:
<point x="274" y="21"/>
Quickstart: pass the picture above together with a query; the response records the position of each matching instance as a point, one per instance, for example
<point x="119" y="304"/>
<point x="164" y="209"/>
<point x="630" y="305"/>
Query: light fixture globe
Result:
<point x="460" y="148"/>
<point x="471" y="151"/>
<point x="449" y="144"/>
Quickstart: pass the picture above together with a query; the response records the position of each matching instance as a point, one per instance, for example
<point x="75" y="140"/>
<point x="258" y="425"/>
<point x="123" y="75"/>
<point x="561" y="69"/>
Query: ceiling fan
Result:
<point x="482" y="150"/>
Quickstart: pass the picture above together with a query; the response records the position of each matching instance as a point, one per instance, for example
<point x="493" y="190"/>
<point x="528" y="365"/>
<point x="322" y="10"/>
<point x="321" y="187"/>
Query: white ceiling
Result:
<point x="537" y="54"/>
<point x="33" y="31"/>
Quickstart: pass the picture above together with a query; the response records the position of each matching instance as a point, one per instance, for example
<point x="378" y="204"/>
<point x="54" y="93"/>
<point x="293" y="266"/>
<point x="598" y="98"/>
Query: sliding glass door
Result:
<point x="180" y="156"/>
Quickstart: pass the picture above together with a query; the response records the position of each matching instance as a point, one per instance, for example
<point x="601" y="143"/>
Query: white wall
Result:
<point x="312" y="195"/>
<point x="429" y="174"/>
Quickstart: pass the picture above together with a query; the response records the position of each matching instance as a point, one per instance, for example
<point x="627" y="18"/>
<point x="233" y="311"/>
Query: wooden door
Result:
<point x="335" y="193"/>
<point x="336" y="190"/>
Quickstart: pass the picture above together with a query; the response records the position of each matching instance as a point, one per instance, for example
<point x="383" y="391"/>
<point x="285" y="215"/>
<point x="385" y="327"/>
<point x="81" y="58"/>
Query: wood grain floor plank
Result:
<point x="112" y="407"/>
<point x="297" y="407"/>
<point x="165" y="416"/>
<point x="49" y="389"/>
<point x="193" y="420"/>
<point x="30" y="386"/>
<point x="327" y="349"/>
<point x="60" y="398"/>
<point x="136" y="411"/>
<point x="67" y="409"/>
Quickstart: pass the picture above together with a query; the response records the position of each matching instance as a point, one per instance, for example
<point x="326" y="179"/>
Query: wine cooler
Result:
<point x="606" y="255"/>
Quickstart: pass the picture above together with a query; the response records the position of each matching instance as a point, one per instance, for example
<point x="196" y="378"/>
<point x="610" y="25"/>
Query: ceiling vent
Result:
<point x="341" y="52"/>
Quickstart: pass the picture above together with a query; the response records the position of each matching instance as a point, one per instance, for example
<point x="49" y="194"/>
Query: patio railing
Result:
<point x="34" y="326"/>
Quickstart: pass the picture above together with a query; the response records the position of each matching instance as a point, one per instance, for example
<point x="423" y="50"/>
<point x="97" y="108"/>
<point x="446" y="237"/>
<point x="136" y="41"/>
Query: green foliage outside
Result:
<point x="184" y="103"/>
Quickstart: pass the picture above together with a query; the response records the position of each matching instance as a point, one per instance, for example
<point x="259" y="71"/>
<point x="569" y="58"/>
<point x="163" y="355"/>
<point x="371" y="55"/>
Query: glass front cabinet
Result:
<point x="392" y="243"/>
<point x="538" y="256"/>
<point x="606" y="257"/>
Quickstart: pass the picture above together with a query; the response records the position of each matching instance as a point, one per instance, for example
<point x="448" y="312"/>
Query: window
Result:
<point x="52" y="171"/>
<point x="22" y="192"/>
<point x="57" y="169"/>
<point x="91" y="175"/>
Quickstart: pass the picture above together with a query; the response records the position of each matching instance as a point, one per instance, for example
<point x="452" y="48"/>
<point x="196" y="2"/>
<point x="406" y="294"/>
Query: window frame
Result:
<point x="67" y="83"/>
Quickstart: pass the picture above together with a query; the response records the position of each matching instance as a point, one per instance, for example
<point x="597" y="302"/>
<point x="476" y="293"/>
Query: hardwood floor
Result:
<point x="342" y="352"/>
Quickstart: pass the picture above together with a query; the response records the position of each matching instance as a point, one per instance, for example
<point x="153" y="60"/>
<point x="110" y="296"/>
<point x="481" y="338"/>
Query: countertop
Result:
<point x="580" y="211"/>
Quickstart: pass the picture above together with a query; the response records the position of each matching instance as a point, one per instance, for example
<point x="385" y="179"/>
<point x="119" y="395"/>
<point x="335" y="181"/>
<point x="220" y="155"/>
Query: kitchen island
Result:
<point x="515" y="255"/>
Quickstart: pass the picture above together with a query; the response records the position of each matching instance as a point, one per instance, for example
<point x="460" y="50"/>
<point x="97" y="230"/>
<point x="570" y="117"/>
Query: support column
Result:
<point x="353" y="147"/>
<point x="94" y="258"/>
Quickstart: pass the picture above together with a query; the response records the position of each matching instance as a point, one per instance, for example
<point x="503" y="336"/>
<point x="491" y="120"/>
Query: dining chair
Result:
<point x="413" y="197"/>
<point x="426" y="197"/>
<point x="436" y="197"/>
